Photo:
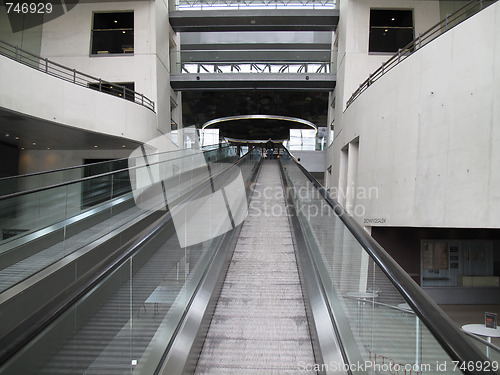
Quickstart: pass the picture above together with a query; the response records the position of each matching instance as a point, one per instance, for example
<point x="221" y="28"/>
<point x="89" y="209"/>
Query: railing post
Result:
<point x="74" y="75"/>
<point x="100" y="84"/>
<point x="17" y="52"/>
<point x="399" y="55"/>
<point x="124" y="92"/>
<point x="46" y="65"/>
<point x="419" y="42"/>
<point x="481" y="4"/>
<point x="142" y="99"/>
<point x="446" y="21"/>
<point x="383" y="68"/>
<point x="369" y="80"/>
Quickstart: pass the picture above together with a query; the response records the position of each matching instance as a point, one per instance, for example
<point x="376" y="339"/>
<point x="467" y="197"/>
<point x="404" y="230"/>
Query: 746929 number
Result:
<point x="476" y="366"/>
<point x="24" y="8"/>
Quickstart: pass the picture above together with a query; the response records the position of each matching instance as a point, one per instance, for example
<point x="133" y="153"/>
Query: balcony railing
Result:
<point x="253" y="4"/>
<point x="441" y="27"/>
<point x="73" y="75"/>
<point x="255" y="61"/>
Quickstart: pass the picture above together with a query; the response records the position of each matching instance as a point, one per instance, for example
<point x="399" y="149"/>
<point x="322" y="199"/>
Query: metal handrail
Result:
<point x="248" y="4"/>
<point x="450" y="21"/>
<point x="72" y="75"/>
<point x="264" y="67"/>
<point x="446" y="333"/>
<point x="83" y="179"/>
<point x="483" y="341"/>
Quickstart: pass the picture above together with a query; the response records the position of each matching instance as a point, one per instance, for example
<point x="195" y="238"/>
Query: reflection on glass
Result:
<point x="387" y="334"/>
<point x="124" y="323"/>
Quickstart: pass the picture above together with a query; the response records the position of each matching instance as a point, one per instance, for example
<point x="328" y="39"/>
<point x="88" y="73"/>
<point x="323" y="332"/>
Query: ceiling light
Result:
<point x="34" y="143"/>
<point x="124" y="146"/>
<point x="123" y="31"/>
<point x="116" y="21"/>
<point x="393" y="19"/>
<point x="7" y="134"/>
<point x="17" y="137"/>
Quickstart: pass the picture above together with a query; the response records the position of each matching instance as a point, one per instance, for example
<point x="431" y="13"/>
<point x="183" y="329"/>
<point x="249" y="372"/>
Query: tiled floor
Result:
<point x="468" y="314"/>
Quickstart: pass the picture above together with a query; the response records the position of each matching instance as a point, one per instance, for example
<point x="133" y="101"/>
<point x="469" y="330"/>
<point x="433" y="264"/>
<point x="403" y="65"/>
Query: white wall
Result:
<point x="67" y="40"/>
<point x="429" y="132"/>
<point x="354" y="61"/>
<point x="313" y="161"/>
<point x="40" y="95"/>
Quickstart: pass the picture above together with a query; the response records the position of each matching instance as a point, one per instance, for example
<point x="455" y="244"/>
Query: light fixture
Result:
<point x="96" y="146"/>
<point x="17" y="137"/>
<point x="124" y="146"/>
<point x="7" y="135"/>
<point x="34" y="143"/>
<point x="116" y="21"/>
<point x="123" y="31"/>
<point x="393" y="19"/>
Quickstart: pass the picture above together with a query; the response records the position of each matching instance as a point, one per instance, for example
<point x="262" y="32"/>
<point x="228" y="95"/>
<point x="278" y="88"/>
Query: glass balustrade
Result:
<point x="380" y="332"/>
<point x="42" y="225"/>
<point x="124" y="324"/>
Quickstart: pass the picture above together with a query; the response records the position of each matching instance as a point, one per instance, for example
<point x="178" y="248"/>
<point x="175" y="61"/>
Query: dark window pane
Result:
<point x="391" y="18"/>
<point x="389" y="40"/>
<point x="390" y="30"/>
<point x="111" y="88"/>
<point x="113" y="33"/>
<point x="113" y="41"/>
<point x="114" y="20"/>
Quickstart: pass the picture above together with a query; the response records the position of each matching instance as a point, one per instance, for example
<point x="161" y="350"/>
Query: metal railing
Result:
<point x="72" y="75"/>
<point x="255" y="67"/>
<point x="450" y="21"/>
<point x="254" y="4"/>
<point x="255" y="61"/>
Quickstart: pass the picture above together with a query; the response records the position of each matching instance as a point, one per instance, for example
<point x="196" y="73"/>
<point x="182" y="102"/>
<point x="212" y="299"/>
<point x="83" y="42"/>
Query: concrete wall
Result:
<point x="427" y="133"/>
<point x="354" y="61"/>
<point x="40" y="95"/>
<point x="313" y="161"/>
<point x="67" y="40"/>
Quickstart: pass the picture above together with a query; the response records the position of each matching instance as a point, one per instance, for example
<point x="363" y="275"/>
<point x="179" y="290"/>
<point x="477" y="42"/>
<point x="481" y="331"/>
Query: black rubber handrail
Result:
<point x="448" y="335"/>
<point x="83" y="179"/>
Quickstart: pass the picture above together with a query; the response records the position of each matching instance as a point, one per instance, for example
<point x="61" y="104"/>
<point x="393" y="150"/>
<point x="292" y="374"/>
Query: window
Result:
<point x="113" y="33"/>
<point x="116" y="89"/>
<point x="390" y="30"/>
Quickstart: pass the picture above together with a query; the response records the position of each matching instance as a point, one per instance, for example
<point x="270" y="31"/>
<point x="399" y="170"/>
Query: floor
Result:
<point x="468" y="314"/>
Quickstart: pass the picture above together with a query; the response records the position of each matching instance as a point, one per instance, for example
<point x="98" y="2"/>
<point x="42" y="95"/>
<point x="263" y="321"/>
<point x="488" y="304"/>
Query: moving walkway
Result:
<point x="297" y="287"/>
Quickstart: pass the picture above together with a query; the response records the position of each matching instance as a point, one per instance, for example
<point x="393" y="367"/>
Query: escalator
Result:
<point x="298" y="287"/>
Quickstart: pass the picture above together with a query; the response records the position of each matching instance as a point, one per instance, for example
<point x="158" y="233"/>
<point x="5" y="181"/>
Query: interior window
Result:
<point x="116" y="89"/>
<point x="113" y="33"/>
<point x="390" y="29"/>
